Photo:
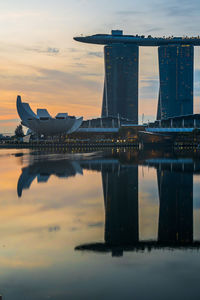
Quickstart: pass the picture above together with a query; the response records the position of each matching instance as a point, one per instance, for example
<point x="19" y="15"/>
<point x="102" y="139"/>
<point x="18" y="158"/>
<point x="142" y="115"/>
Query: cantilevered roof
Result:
<point x="118" y="37"/>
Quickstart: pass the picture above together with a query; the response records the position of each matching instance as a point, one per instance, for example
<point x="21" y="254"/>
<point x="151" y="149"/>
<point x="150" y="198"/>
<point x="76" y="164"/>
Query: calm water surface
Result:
<point x="118" y="225"/>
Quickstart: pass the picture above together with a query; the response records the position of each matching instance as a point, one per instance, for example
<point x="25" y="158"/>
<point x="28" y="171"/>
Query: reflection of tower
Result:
<point x="120" y="97"/>
<point x="176" y="207"/>
<point x="121" y="205"/>
<point x="176" y="65"/>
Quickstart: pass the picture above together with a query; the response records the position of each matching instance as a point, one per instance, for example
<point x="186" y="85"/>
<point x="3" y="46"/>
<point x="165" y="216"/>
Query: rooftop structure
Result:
<point x="184" y="121"/>
<point x="106" y="122"/>
<point x="117" y="36"/>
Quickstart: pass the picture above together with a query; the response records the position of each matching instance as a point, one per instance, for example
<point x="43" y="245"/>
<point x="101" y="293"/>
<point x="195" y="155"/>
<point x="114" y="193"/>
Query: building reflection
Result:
<point x="176" y="206"/>
<point x="43" y="169"/>
<point x="175" y="226"/>
<point x="120" y="190"/>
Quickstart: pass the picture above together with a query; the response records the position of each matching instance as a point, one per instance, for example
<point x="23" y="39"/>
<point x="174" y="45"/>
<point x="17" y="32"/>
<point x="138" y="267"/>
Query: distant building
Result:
<point x="4" y="137"/>
<point x="105" y="122"/>
<point x="44" y="124"/>
<point x="176" y="66"/>
<point x="179" y="122"/>
<point x="107" y="128"/>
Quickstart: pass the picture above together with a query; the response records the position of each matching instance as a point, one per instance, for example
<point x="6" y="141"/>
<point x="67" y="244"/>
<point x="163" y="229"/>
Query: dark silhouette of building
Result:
<point x="176" y="206"/>
<point x="176" y="66"/>
<point x="121" y="73"/>
<point x="120" y="188"/>
<point x="120" y="97"/>
<point x="43" y="169"/>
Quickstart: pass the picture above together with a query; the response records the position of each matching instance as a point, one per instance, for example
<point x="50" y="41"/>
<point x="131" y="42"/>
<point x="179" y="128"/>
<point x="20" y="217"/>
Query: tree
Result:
<point x="19" y="131"/>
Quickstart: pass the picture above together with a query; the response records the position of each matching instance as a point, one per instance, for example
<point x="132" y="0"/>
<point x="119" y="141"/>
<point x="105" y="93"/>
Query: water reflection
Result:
<point x="120" y="189"/>
<point x="176" y="206"/>
<point x="121" y="205"/>
<point x="122" y="200"/>
<point x="175" y="186"/>
<point x="42" y="170"/>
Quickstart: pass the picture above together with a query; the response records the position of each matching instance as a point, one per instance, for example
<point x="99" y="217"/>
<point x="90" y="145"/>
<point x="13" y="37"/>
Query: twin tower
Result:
<point x="176" y="72"/>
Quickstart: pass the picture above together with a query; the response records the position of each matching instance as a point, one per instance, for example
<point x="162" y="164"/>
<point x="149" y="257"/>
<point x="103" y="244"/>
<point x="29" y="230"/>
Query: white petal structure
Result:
<point x="43" y="123"/>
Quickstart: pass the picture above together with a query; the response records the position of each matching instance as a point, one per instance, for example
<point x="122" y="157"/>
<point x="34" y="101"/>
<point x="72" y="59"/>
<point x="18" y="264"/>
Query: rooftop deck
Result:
<point x="139" y="40"/>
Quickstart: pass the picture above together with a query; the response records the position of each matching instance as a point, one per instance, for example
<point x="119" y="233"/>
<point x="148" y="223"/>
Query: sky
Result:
<point x="40" y="61"/>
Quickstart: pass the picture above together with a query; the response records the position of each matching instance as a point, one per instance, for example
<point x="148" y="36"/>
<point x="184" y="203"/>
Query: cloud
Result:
<point x="128" y="12"/>
<point x="73" y="50"/>
<point x="177" y="10"/>
<point x="48" y="80"/>
<point x="48" y="50"/>
<point x="98" y="224"/>
<point x="96" y="54"/>
<point x="80" y="65"/>
<point x="54" y="228"/>
<point x="92" y="75"/>
<point x="65" y="80"/>
<point x="197" y="75"/>
<point x="174" y="9"/>
<point x="9" y="120"/>
<point x="154" y="29"/>
<point x="52" y="50"/>
<point x="6" y="15"/>
<point x="197" y="82"/>
<point x="148" y="88"/>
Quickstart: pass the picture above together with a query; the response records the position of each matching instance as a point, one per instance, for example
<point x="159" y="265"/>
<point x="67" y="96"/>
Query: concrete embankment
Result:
<point x="59" y="145"/>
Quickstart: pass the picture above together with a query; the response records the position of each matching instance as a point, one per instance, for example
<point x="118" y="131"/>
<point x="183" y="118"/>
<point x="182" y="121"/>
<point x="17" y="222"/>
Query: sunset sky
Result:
<point x="40" y="60"/>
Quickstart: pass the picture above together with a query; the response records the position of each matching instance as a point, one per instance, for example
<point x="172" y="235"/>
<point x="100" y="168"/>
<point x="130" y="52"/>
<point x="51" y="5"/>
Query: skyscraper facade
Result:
<point x="120" y="97"/>
<point x="176" y="68"/>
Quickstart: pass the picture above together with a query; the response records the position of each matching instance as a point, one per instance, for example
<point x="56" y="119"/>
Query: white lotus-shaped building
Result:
<point x="43" y="123"/>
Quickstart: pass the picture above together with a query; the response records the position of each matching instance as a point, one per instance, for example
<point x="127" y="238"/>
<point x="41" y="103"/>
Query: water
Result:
<point x="104" y="225"/>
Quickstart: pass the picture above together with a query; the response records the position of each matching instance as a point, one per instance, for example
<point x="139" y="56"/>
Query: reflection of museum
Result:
<point x="120" y="189"/>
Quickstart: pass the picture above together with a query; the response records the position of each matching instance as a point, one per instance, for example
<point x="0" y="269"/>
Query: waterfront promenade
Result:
<point x="100" y="145"/>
